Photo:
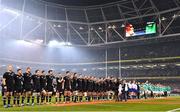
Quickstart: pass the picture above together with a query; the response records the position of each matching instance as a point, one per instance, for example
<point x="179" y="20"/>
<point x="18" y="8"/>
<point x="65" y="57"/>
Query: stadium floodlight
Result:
<point x="68" y="43"/>
<point x="54" y="25"/>
<point x="63" y="69"/>
<point x="163" y="18"/>
<point x="55" y="43"/>
<point x="178" y="64"/>
<point x="62" y="43"/>
<point x="81" y="28"/>
<point x="140" y="66"/>
<point x="174" y="16"/>
<point x="109" y="27"/>
<point x="113" y="26"/>
<point x="11" y="11"/>
<point x="23" y="42"/>
<point x="84" y="69"/>
<point x="59" y="26"/>
<point x="122" y="26"/>
<point x="162" y="65"/>
<point x="100" y="28"/>
<point x="38" y="41"/>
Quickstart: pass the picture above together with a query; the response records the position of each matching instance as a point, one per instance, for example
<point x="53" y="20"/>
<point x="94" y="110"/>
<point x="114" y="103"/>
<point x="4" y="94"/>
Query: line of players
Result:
<point x="42" y="87"/>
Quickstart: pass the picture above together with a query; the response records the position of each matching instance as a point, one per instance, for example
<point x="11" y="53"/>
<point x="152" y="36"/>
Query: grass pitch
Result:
<point x="159" y="104"/>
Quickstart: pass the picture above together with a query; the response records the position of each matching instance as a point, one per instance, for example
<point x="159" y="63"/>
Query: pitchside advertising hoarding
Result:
<point x="140" y="29"/>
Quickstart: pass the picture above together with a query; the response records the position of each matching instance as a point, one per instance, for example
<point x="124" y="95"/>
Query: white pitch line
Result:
<point x="174" y="110"/>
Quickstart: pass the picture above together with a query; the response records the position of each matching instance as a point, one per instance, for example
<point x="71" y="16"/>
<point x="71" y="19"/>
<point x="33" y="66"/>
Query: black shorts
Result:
<point x="60" y="91"/>
<point x="37" y="90"/>
<point x="9" y="89"/>
<point x="18" y="90"/>
<point x="27" y="89"/>
<point x="50" y="88"/>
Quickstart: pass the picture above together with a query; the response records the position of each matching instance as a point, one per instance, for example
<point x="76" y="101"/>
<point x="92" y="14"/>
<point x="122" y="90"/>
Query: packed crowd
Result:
<point x="26" y="87"/>
<point x="153" y="50"/>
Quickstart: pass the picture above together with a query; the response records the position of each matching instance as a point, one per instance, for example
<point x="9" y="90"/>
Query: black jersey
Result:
<point x="43" y="82"/>
<point x="60" y="84"/>
<point x="50" y="85"/>
<point x="108" y="84"/>
<point x="67" y="83"/>
<point x="9" y="80"/>
<point x="79" y="81"/>
<point x="111" y="85"/>
<point x="27" y="84"/>
<point x="100" y="86"/>
<point x="115" y="87"/>
<point x="93" y="86"/>
<point x="84" y="84"/>
<point x="89" y="85"/>
<point x="104" y="86"/>
<point x="74" y="84"/>
<point x="36" y="83"/>
<point x="18" y="85"/>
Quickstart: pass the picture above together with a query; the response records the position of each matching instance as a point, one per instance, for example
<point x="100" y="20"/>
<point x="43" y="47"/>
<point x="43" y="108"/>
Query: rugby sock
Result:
<point x="18" y="98"/>
<point x="68" y="98"/>
<point x="28" y="99"/>
<point x="56" y="99"/>
<point x="38" y="98"/>
<point x="64" y="98"/>
<point x="32" y="99"/>
<point x="88" y="98"/>
<point x="60" y="98"/>
<point x="80" y="99"/>
<point x="9" y="100"/>
<point x="22" y="101"/>
<point x="42" y="98"/>
<point x="72" y="98"/>
<point x="4" y="100"/>
<point x="49" y="98"/>
<point x="14" y="101"/>
<point x="75" y="98"/>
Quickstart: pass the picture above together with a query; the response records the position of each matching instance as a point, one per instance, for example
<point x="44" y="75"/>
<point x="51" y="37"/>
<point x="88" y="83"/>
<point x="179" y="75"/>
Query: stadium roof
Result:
<point x="82" y="2"/>
<point x="87" y="22"/>
<point x="159" y="4"/>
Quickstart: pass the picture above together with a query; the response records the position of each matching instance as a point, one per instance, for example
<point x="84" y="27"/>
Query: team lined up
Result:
<point x="65" y="87"/>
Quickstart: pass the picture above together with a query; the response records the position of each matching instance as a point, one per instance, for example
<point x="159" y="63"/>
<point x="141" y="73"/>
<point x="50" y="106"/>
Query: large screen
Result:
<point x="142" y="29"/>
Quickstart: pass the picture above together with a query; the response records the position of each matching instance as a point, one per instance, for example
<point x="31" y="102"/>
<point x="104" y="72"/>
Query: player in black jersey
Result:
<point x="50" y="86"/>
<point x="8" y="84"/>
<point x="89" y="88"/>
<point x="27" y="85"/>
<point x="36" y="86"/>
<point x="43" y="83"/>
<point x="74" y="85"/>
<point x="18" y="86"/>
<point x="67" y="87"/>
<point x="80" y="88"/>
<point x="84" y="86"/>
<point x="59" y="87"/>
